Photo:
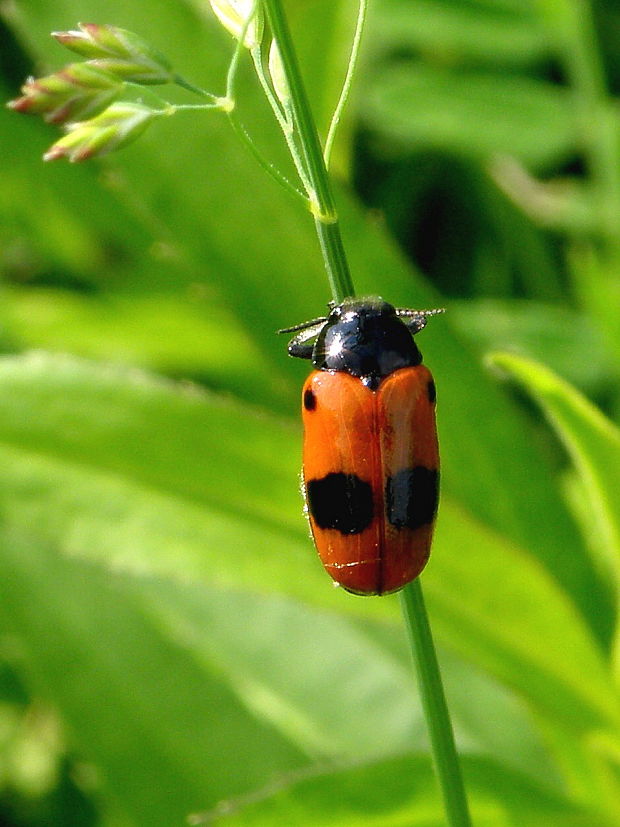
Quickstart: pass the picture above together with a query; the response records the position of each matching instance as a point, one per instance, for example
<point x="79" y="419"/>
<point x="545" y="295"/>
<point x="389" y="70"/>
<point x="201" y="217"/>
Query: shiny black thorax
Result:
<point x="368" y="341"/>
<point x="367" y="338"/>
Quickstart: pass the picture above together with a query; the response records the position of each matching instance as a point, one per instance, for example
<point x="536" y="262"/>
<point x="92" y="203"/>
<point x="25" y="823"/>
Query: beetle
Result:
<point x="370" y="454"/>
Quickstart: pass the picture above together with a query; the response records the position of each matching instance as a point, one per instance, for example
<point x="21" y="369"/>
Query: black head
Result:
<point x="366" y="338"/>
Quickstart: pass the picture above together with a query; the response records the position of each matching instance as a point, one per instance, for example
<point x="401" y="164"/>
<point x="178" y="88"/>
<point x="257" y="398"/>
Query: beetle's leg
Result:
<point x="301" y="345"/>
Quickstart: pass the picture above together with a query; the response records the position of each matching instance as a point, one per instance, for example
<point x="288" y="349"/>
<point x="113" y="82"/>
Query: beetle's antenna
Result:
<point x="405" y="311"/>
<point x="303" y="325"/>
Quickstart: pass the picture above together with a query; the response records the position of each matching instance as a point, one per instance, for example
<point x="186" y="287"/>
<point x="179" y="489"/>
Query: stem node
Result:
<point x="226" y="104"/>
<point x="319" y="214"/>
<point x="309" y="157"/>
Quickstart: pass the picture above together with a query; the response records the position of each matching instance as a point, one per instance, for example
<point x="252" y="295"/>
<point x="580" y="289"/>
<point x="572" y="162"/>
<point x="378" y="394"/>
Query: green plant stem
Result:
<point x="445" y="756"/>
<point x="321" y="199"/>
<point x="282" y="118"/>
<point x="346" y="86"/>
<point x="436" y="711"/>
<point x="269" y="168"/>
<point x="191" y="87"/>
<point x="230" y="108"/>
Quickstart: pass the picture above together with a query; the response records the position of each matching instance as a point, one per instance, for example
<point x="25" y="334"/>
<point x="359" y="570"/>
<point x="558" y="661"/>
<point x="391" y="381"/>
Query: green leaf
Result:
<point x="136" y="700"/>
<point x="166" y="685"/>
<point x="461" y="32"/>
<point x="227" y="244"/>
<point x="495" y="604"/>
<point x="158" y="660"/>
<point x="472" y="113"/>
<point x="120" y="475"/>
<point x="164" y="332"/>
<point x="119" y="467"/>
<point x="153" y="433"/>
<point x="593" y="443"/>
<point x="402" y="792"/>
<point x="596" y="284"/>
<point x="545" y="332"/>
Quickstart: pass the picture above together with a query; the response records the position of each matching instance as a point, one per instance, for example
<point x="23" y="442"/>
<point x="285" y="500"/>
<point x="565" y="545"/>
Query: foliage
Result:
<point x="168" y="640"/>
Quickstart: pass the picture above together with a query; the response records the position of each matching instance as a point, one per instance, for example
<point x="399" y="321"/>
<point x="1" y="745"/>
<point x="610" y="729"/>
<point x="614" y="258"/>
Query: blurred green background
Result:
<point x="169" y="644"/>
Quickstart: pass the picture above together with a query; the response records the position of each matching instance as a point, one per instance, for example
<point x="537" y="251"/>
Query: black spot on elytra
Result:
<point x="411" y="497"/>
<point x="340" y="501"/>
<point x="309" y="400"/>
<point x="431" y="391"/>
